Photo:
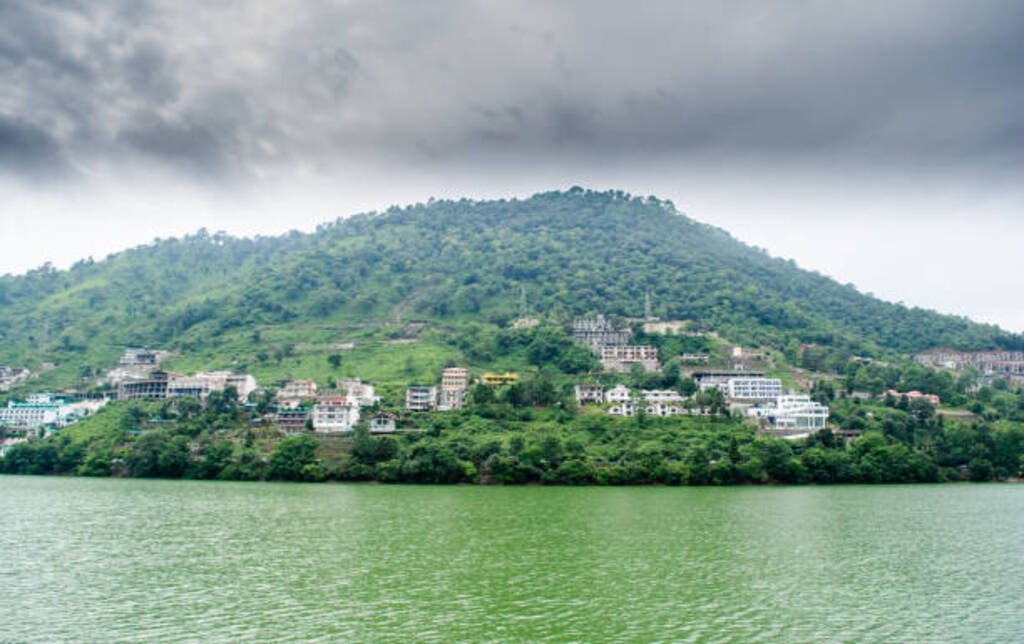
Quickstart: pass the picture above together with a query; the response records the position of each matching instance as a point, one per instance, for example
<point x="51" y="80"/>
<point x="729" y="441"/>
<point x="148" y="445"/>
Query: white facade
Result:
<point x="382" y="424"/>
<point x="298" y="389"/>
<point x="661" y="396"/>
<point x="335" y="414"/>
<point x="359" y="391"/>
<point x="37" y="411"/>
<point x="793" y="414"/>
<point x="618" y="394"/>
<point x="745" y="388"/>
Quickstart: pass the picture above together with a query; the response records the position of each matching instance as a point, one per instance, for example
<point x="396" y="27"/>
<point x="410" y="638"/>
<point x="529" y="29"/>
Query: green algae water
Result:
<point x="162" y="561"/>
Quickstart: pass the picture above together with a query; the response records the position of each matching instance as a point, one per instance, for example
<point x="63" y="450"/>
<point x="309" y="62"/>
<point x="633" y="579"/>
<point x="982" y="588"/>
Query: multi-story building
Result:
<point x="164" y="384"/>
<point x="454" y="385"/>
<point x="597" y="332"/>
<point x="753" y="388"/>
<point x="989" y="363"/>
<point x="621" y="358"/>
<point x="655" y="396"/>
<point x="618" y="394"/>
<point x="622" y="409"/>
<point x="792" y="415"/>
<point x="335" y="414"/>
<point x="137" y="363"/>
<point x="361" y="392"/>
<point x="589" y="394"/>
<point x="663" y="409"/>
<point x="421" y="398"/>
<point x="292" y="419"/>
<point x="154" y="387"/>
<point x="741" y="385"/>
<point x="298" y="389"/>
<point x="37" y="411"/>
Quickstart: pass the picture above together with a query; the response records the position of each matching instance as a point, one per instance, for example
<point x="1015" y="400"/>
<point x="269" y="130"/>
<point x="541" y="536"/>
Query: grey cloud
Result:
<point x="29" y="152"/>
<point x="230" y="90"/>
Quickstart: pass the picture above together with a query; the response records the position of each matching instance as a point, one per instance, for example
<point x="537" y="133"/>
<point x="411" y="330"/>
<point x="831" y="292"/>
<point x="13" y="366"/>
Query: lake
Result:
<point x="103" y="560"/>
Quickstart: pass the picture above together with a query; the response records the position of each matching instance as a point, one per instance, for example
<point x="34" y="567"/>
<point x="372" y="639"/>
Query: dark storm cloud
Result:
<point x="221" y="90"/>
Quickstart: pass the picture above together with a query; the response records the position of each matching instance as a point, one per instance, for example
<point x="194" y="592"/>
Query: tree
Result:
<point x="286" y="463"/>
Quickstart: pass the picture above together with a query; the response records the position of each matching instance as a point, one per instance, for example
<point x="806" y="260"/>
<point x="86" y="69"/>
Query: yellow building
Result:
<point x="496" y="379"/>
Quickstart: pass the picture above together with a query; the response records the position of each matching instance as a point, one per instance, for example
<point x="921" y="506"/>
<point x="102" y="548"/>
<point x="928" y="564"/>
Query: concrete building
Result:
<point x="292" y="419"/>
<point x="597" y="332"/>
<point x="618" y="394"/>
<point x="791" y="416"/>
<point x="741" y="385"/>
<point x="137" y="363"/>
<point x="298" y="389"/>
<point x="655" y="396"/>
<point x="589" y="395"/>
<point x="383" y="423"/>
<point x="664" y="409"/>
<point x="38" y="410"/>
<point x="454" y="385"/>
<point x="622" y="409"/>
<point x="154" y="387"/>
<point x="621" y="358"/>
<point x="421" y="398"/>
<point x="164" y="384"/>
<point x="361" y="392"/>
<point x="1008" y="364"/>
<point x="334" y="414"/>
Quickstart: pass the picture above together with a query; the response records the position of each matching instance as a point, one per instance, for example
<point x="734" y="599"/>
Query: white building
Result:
<point x="359" y="391"/>
<point x="745" y="387"/>
<point x="618" y="394"/>
<point x="622" y="409"/>
<point x="335" y="414"/>
<point x="661" y="396"/>
<point x="383" y="423"/>
<point x="136" y="363"/>
<point x="621" y="358"/>
<point x="454" y="385"/>
<point x="589" y="394"/>
<point x="37" y="411"/>
<point x="792" y="415"/>
<point x="297" y="389"/>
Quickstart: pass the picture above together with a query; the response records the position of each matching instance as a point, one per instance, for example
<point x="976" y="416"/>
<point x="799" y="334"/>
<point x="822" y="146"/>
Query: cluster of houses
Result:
<point x="1000" y="364"/>
<point x="453" y="391"/>
<point x="42" y="414"/>
<point x="302" y="405"/>
<point x="755" y="395"/>
<point x="612" y="345"/>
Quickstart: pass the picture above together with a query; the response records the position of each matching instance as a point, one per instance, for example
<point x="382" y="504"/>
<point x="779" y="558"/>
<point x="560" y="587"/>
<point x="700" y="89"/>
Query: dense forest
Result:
<point x="564" y="253"/>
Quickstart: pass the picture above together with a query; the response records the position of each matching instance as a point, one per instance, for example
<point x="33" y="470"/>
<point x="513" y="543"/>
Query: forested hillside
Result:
<point x="570" y="252"/>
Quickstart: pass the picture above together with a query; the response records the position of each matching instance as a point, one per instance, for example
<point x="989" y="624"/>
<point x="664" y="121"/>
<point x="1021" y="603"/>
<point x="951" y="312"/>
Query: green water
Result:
<point x="128" y="560"/>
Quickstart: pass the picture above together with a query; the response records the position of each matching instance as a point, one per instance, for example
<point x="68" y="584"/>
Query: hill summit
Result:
<point x="554" y="255"/>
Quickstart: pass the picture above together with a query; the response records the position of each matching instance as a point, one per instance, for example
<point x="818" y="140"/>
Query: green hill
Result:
<point x="284" y="301"/>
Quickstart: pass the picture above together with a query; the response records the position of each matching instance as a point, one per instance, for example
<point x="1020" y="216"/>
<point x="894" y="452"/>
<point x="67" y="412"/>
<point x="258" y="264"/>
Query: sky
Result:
<point x="881" y="144"/>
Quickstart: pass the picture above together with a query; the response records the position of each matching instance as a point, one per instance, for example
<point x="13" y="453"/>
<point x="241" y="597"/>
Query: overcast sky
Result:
<point x="881" y="143"/>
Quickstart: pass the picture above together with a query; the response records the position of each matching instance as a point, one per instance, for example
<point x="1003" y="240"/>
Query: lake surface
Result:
<point x="103" y="560"/>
